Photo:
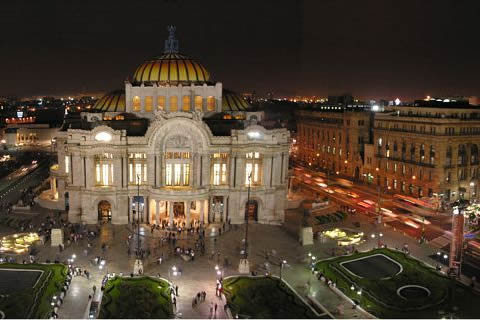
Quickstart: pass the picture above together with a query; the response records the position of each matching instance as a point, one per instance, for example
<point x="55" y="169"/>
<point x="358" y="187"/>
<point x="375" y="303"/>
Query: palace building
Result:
<point x="173" y="146"/>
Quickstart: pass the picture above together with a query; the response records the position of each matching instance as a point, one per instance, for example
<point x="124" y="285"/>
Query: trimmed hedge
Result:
<point x="18" y="304"/>
<point x="130" y="298"/>
<point x="380" y="298"/>
<point x="264" y="298"/>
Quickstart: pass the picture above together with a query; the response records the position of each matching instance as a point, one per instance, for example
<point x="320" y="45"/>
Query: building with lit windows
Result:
<point x="173" y="146"/>
<point x="429" y="148"/>
<point x="333" y="137"/>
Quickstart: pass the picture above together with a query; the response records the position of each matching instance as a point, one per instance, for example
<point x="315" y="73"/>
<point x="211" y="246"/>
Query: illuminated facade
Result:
<point x="333" y="138"/>
<point x="428" y="149"/>
<point x="186" y="144"/>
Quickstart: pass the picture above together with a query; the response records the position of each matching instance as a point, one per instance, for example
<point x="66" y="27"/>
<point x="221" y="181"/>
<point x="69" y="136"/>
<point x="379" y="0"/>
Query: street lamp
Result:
<point x="282" y="263"/>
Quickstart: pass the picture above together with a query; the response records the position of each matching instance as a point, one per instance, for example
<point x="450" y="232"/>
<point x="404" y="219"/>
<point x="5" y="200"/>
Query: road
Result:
<point x="364" y="200"/>
<point x="23" y="178"/>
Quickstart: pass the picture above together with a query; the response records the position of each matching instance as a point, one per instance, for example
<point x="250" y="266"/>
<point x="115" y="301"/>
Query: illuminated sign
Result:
<point x="19" y="114"/>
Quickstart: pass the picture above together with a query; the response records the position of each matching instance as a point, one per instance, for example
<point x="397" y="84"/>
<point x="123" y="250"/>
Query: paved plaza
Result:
<point x="267" y="246"/>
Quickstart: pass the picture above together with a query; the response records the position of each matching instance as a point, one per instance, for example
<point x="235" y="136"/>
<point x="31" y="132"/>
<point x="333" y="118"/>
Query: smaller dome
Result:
<point x="232" y="101"/>
<point x="111" y="102"/>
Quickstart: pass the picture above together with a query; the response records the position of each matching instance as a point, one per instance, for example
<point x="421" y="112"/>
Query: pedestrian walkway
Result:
<point x="76" y="300"/>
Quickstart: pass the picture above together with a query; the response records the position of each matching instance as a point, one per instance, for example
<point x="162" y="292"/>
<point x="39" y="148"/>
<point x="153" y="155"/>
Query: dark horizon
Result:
<point x="373" y="49"/>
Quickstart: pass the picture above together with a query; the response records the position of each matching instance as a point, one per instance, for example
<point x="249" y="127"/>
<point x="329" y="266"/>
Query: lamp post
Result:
<point x="138" y="265"/>
<point x="244" y="266"/>
<point x="282" y="263"/>
<point x="138" y="217"/>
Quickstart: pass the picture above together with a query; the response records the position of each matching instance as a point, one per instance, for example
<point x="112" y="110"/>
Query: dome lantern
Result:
<point x="172" y="67"/>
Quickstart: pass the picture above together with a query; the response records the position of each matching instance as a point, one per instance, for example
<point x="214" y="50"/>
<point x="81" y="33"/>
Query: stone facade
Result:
<point x="179" y="132"/>
<point x="333" y="140"/>
<point x="418" y="150"/>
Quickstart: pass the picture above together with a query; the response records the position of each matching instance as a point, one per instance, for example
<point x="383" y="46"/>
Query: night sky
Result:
<point x="370" y="48"/>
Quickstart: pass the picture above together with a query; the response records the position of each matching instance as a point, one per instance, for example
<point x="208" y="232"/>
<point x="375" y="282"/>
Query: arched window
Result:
<point x="136" y="104"/>
<point x="173" y="104"/>
<point x="211" y="103"/>
<point x="186" y="103"/>
<point x="148" y="104"/>
<point x="161" y="103"/>
<point x="198" y="103"/>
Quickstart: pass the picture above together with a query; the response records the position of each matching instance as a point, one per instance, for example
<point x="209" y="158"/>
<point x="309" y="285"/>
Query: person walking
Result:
<point x="176" y="291"/>
<point x="216" y="308"/>
<point x="174" y="302"/>
<point x="94" y="289"/>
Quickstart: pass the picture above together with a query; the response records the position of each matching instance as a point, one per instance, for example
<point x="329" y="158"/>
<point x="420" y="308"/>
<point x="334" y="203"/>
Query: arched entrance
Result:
<point x="104" y="211"/>
<point x="251" y="210"/>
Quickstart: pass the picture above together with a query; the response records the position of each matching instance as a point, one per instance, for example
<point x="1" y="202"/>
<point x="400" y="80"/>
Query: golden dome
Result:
<point x="171" y="67"/>
<point x="232" y="101"/>
<point x="111" y="102"/>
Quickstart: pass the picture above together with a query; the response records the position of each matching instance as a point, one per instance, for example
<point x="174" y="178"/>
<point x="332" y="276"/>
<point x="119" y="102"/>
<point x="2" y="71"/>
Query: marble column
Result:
<point x="202" y="211"/>
<point x="157" y="212"/>
<point x="187" y="209"/>
<point x="170" y="213"/>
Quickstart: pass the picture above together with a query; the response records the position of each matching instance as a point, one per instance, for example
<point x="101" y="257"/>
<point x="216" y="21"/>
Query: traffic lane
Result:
<point x="13" y="193"/>
<point x="401" y="223"/>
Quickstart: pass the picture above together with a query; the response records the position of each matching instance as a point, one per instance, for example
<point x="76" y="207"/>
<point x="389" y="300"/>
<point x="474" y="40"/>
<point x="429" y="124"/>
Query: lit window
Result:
<point x="98" y="176"/>
<point x="177" y="173"/>
<point x="168" y="174"/>
<point x="224" y="173"/>
<point x="210" y="103"/>
<point x="148" y="104"/>
<point x="173" y="104"/>
<point x="216" y="174"/>
<point x="130" y="173"/>
<point x="186" y="174"/>
<point x="248" y="172"/>
<point x="252" y="168"/>
<point x="67" y="164"/>
<point x="136" y="104"/>
<point x="186" y="103"/>
<point x="161" y="103"/>
<point x="198" y="103"/>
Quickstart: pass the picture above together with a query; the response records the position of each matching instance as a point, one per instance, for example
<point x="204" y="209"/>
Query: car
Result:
<point x="323" y="185"/>
<point x="92" y="314"/>
<point x="353" y="195"/>
<point x="370" y="202"/>
<point x="318" y="179"/>
<point x="363" y="204"/>
<point x="329" y="190"/>
<point x="308" y="181"/>
<point x="418" y="218"/>
<point x="307" y="175"/>
<point x="388" y="212"/>
<point x="340" y="191"/>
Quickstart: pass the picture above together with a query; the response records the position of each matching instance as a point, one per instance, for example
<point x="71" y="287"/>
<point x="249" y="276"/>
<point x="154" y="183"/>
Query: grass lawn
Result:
<point x="379" y="296"/>
<point x="264" y="297"/>
<point x="136" y="298"/>
<point x="21" y="303"/>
